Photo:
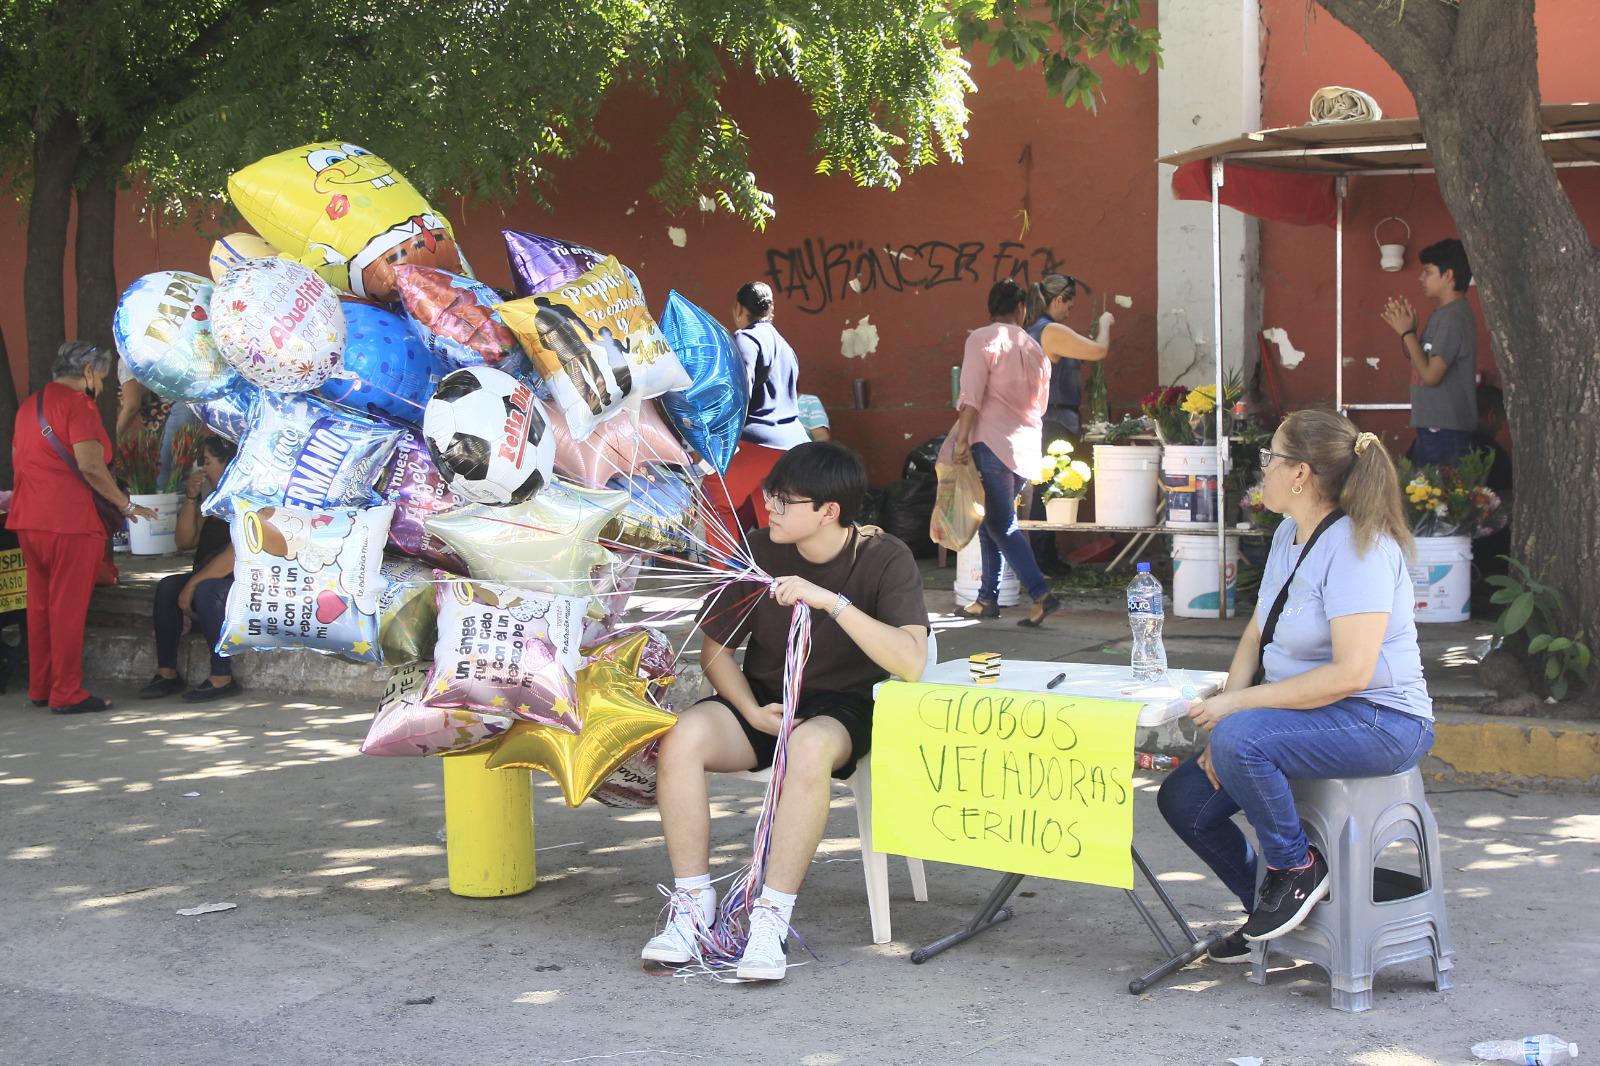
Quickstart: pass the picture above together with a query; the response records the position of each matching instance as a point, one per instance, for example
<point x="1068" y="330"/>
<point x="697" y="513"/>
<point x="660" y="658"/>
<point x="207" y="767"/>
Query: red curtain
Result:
<point x="1275" y="195"/>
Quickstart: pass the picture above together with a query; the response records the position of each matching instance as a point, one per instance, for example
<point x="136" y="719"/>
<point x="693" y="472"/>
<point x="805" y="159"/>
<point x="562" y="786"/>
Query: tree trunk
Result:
<point x="8" y="412"/>
<point x="94" y="252"/>
<point x="1473" y="70"/>
<point x="55" y="161"/>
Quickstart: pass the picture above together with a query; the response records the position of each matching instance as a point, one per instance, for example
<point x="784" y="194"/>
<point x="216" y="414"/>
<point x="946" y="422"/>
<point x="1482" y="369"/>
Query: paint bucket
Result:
<point x="1189" y="472"/>
<point x="1125" y="482"/>
<point x="1194" y="575"/>
<point x="158" y="535"/>
<point x="1441" y="573"/>
<point x="969" y="576"/>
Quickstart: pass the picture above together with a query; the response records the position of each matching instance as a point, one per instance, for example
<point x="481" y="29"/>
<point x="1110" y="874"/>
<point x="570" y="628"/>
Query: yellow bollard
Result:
<point x="488" y="824"/>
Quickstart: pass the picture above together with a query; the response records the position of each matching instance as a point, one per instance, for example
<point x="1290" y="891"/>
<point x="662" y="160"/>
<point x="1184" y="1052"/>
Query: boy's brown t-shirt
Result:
<point x="876" y="571"/>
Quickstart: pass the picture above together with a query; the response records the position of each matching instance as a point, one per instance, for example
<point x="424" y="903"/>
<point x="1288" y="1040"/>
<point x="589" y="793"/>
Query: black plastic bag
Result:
<point x="908" y="509"/>
<point x="923" y="458"/>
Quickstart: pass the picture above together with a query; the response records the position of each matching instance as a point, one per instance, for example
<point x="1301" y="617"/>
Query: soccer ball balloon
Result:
<point x="489" y="436"/>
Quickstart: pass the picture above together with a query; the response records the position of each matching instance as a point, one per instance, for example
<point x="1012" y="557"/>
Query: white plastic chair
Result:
<point x="874" y="864"/>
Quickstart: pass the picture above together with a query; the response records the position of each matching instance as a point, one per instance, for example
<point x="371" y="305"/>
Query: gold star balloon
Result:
<point x="638" y="651"/>
<point x="618" y="720"/>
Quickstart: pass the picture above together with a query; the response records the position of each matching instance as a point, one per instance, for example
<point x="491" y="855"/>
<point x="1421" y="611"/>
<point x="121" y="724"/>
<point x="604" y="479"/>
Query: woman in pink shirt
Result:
<point x="1005" y="385"/>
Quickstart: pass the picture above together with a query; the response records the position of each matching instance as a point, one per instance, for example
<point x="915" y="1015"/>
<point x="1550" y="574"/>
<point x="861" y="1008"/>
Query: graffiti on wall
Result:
<point x="816" y="273"/>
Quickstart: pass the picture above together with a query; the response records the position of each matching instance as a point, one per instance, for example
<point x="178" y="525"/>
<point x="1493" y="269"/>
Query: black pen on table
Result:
<point x="1054" y="681"/>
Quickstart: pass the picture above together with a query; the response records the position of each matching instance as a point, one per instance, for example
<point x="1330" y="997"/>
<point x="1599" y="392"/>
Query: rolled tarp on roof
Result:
<point x="1274" y="195"/>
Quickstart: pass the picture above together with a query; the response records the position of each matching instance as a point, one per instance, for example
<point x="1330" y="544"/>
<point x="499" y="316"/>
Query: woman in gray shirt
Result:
<point x="1340" y="691"/>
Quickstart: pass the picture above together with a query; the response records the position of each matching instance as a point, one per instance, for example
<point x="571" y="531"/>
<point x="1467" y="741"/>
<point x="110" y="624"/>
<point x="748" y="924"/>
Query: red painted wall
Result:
<point x="1089" y="196"/>
<point x="1305" y="52"/>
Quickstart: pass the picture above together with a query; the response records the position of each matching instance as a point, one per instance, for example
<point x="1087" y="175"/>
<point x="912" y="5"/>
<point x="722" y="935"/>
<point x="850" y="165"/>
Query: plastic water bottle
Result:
<point x="1541" y="1050"/>
<point x="1144" y="618"/>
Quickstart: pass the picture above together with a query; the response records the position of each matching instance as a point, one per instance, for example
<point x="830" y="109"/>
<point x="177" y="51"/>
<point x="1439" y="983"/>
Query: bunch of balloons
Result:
<point x="456" y="483"/>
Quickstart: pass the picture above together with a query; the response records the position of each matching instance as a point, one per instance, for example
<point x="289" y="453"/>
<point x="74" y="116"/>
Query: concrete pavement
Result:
<point x="347" y="947"/>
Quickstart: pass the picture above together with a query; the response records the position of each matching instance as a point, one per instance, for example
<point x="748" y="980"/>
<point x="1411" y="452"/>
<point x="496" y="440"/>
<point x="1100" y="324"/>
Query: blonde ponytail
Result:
<point x="1353" y="469"/>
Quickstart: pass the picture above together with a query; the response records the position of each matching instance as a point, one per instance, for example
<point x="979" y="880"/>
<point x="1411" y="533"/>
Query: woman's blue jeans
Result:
<point x="1000" y="535"/>
<point x="1255" y="755"/>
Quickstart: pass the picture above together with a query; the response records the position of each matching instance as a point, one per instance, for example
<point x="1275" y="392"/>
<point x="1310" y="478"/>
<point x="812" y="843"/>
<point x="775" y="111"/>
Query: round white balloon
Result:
<point x="278" y="324"/>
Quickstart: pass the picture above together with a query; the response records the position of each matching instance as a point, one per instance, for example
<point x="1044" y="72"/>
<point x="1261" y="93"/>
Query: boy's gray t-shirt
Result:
<point x="1452" y="335"/>
<point x="1334" y="581"/>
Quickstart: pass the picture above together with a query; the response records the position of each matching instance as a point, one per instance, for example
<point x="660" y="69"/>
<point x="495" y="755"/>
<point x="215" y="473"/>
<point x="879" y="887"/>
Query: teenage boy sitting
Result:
<point x="869" y="621"/>
<point x="1444" y="360"/>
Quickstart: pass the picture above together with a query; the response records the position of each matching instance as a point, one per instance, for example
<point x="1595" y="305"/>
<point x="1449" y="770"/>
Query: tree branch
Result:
<point x="1415" y="37"/>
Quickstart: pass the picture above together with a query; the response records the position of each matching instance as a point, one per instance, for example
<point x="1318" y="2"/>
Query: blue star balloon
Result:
<point x="709" y="413"/>
<point x="388" y="373"/>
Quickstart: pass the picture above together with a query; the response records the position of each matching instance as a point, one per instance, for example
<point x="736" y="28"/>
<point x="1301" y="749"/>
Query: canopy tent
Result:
<point x="1294" y="173"/>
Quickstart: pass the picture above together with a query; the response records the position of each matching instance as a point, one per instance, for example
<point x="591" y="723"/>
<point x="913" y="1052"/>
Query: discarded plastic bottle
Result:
<point x="1144" y="618"/>
<point x="1145" y="761"/>
<point x="1541" y="1050"/>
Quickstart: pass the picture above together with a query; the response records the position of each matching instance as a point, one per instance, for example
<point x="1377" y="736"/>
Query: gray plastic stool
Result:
<point x="1373" y="917"/>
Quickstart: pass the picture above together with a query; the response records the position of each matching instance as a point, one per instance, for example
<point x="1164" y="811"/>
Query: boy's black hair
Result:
<point x="1448" y="254"/>
<point x="1005" y="296"/>
<point x="220" y="448"/>
<point x="823" y="472"/>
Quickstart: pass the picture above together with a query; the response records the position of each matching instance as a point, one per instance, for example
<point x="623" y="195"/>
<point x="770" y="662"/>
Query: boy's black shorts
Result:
<point x="851" y="710"/>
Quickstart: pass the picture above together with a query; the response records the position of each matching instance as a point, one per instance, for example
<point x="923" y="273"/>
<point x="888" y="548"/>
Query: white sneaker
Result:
<point x="677" y="943"/>
<point x="764" y="958"/>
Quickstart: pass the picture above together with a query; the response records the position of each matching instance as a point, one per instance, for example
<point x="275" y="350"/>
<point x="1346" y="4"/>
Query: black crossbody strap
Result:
<point x="1271" y="625"/>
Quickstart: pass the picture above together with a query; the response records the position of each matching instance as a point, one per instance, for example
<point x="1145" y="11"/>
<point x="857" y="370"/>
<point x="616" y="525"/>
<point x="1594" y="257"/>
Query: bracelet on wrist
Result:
<point x="1412" y="332"/>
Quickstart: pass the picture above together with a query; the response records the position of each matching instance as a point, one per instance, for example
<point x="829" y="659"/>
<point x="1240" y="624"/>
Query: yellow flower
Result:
<point x="1201" y="401"/>
<point x="1081" y="468"/>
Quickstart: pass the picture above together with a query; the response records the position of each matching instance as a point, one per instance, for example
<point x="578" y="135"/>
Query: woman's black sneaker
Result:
<point x="1287" y="896"/>
<point x="1232" y="948"/>
<point x="161" y="686"/>
<point x="84" y="706"/>
<point x="206" y="691"/>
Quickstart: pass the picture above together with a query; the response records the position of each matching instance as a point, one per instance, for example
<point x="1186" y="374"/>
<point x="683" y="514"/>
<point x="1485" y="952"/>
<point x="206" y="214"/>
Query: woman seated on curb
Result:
<point x="202" y="593"/>
<point x="1337" y="690"/>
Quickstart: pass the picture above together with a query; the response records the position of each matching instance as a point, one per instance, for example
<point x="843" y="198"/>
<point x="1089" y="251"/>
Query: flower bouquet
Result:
<point x="1187" y="416"/>
<point x="1065" y="481"/>
<point x="136" y="462"/>
<point x="185" y="454"/>
<point x="1450" y="501"/>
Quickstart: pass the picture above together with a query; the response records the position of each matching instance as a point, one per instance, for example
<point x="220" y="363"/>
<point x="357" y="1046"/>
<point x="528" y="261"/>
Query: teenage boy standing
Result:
<point x="869" y="621"/>
<point x="1444" y="360"/>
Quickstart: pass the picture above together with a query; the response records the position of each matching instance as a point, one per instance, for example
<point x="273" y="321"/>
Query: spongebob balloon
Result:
<point x="346" y="214"/>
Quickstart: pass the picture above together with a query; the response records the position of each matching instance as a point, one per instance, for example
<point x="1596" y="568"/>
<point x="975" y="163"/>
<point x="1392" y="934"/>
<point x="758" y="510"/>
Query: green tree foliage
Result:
<point x="477" y="96"/>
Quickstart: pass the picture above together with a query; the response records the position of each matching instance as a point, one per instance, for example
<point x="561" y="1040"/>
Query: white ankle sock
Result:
<point x="705" y="894"/>
<point x="782" y="902"/>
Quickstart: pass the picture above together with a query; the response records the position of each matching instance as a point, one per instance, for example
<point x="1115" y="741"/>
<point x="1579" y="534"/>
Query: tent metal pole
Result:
<point x="1217" y="179"/>
<point x="1338" y="298"/>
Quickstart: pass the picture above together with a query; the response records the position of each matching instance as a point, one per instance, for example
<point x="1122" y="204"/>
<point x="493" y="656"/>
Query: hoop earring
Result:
<point x="1298" y="489"/>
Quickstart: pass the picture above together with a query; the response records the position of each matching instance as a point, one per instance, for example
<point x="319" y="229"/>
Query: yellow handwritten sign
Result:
<point x="1023" y="782"/>
<point x="13" y="581"/>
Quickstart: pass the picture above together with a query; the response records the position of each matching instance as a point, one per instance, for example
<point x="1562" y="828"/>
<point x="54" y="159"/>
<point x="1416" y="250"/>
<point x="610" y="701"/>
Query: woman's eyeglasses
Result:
<point x="1267" y="455"/>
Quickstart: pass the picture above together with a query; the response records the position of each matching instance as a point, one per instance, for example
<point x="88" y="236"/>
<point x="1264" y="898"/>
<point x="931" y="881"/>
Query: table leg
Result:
<point x="1175" y="960"/>
<point x="991" y="914"/>
<point x="1136" y="544"/>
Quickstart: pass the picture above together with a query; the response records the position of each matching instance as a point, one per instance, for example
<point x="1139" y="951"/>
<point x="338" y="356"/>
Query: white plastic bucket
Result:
<point x="1125" y="484"/>
<point x="1441" y="573"/>
<point x="155" y="536"/>
<point x="1189" y="472"/>
<point x="969" y="576"/>
<point x="1194" y="575"/>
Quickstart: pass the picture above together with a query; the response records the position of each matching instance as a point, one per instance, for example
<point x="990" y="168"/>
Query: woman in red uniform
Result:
<point x="59" y="456"/>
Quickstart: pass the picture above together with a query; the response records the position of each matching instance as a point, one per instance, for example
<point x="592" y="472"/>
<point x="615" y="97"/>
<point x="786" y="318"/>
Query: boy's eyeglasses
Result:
<point x="780" y="504"/>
